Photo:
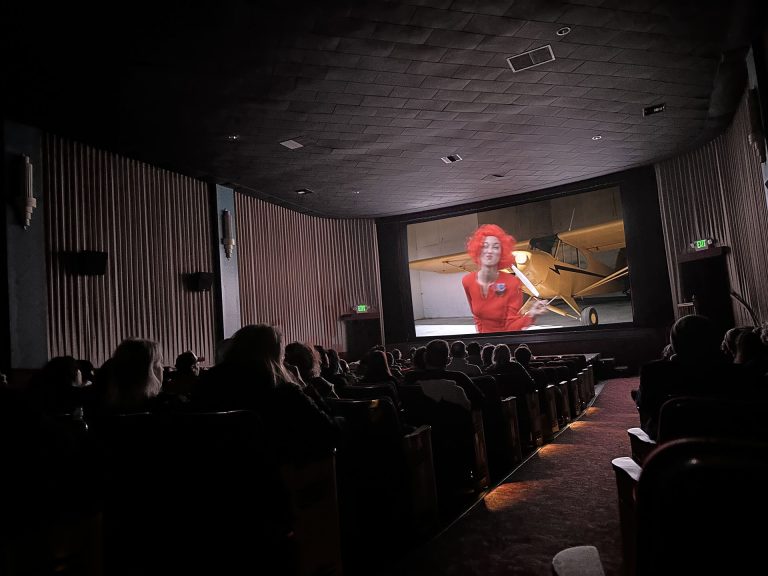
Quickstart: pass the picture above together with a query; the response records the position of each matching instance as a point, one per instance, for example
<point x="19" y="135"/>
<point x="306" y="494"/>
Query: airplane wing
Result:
<point x="610" y="278"/>
<point x="606" y="236"/>
<point x="458" y="262"/>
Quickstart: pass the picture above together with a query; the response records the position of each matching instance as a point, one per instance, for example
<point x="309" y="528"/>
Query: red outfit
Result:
<point x="499" y="311"/>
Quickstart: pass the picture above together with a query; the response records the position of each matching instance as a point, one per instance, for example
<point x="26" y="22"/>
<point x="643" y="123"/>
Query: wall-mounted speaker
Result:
<point x="88" y="262"/>
<point x="199" y="281"/>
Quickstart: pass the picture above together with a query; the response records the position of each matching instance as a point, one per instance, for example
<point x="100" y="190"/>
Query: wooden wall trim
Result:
<point x="717" y="192"/>
<point x="303" y="272"/>
<point x="154" y="226"/>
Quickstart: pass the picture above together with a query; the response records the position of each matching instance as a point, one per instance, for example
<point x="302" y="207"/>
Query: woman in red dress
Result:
<point x="495" y="297"/>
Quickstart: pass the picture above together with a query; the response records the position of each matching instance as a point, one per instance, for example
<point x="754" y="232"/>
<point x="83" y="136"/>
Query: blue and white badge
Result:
<point x="501" y="287"/>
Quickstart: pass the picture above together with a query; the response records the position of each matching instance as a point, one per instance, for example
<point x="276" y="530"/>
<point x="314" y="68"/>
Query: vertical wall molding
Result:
<point x="303" y="272"/>
<point x="717" y="192"/>
<point x="24" y="314"/>
<point x="228" y="289"/>
<point x="154" y="226"/>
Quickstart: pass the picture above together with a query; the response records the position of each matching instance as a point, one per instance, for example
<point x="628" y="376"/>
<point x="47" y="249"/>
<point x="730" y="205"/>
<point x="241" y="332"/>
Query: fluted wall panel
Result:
<point x="155" y="228"/>
<point x="717" y="192"/>
<point x="747" y="212"/>
<point x="302" y="272"/>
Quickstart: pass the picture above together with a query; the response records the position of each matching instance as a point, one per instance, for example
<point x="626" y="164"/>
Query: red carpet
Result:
<point x="565" y="495"/>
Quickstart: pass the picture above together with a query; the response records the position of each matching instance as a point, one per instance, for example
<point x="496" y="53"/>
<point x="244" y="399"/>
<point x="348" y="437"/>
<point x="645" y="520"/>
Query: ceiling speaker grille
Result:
<point x="531" y="58"/>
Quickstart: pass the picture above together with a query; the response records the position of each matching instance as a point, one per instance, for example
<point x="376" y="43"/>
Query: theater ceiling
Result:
<point x="378" y="93"/>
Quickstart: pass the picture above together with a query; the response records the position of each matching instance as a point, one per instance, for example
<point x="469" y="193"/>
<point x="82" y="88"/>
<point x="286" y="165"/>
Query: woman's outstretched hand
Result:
<point x="537" y="309"/>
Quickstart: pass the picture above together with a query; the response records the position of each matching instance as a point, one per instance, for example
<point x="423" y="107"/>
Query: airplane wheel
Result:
<point x="589" y="316"/>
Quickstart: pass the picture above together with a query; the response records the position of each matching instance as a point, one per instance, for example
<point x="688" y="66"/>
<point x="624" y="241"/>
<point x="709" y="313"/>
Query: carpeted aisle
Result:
<point x="564" y="495"/>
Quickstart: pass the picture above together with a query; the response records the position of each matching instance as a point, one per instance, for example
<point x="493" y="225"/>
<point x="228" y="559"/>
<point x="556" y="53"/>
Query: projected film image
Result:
<point x="550" y="264"/>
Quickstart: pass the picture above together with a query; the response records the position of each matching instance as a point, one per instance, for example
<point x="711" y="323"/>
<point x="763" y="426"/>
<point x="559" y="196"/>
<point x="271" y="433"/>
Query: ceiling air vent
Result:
<point x="451" y="158"/>
<point x="531" y="58"/>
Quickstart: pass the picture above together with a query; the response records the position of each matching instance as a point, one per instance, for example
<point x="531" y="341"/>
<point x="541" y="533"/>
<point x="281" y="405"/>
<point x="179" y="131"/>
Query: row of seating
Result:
<point x="686" y="499"/>
<point x="171" y="493"/>
<point x="153" y="493"/>
<point x="422" y="475"/>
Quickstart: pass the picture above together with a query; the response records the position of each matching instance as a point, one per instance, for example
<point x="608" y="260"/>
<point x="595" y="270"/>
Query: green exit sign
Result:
<point x="702" y="244"/>
<point x="362" y="307"/>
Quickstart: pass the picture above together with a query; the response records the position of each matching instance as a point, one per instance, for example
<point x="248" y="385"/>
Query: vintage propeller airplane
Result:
<point x="560" y="266"/>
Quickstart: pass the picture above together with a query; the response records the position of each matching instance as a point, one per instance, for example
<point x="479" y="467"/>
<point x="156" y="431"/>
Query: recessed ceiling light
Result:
<point x="292" y="144"/>
<point x="451" y="158"/>
<point x="563" y="31"/>
<point x="233" y="137"/>
<point x="356" y="192"/>
<point x="598" y="137"/>
<point x="304" y="191"/>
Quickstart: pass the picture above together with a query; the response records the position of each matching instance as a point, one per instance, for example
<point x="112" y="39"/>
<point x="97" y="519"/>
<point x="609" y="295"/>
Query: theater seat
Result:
<point x="386" y="480"/>
<point x="700" y="508"/>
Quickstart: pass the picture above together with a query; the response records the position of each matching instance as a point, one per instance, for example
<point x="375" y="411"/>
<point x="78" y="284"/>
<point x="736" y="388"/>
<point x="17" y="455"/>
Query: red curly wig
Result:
<point x="475" y="244"/>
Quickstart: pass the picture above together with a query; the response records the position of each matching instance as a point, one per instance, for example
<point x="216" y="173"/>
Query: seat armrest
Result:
<point x="641" y="434"/>
<point x="628" y="467"/>
<point x="640" y="444"/>
<point x="577" y="561"/>
<point x="420" y="431"/>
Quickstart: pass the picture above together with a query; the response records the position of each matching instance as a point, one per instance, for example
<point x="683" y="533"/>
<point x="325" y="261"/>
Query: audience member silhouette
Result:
<point x="459" y="360"/>
<point x="436" y="358"/>
<point x="523" y="355"/>
<point x="728" y="346"/>
<point x="487" y="355"/>
<point x="338" y="368"/>
<point x="473" y="354"/>
<point x="503" y="364"/>
<point x="697" y="367"/>
<point x="418" y="362"/>
<point x="307" y="360"/>
<point x="184" y="379"/>
<point x="377" y="370"/>
<point x="133" y="376"/>
<point x="397" y="357"/>
<point x="56" y="390"/>
<point x="393" y="368"/>
<point x="253" y="377"/>
<point x="752" y="359"/>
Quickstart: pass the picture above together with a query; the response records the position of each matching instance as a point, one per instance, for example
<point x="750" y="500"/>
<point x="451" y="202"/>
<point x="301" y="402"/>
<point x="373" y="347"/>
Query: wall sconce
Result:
<point x="226" y="226"/>
<point x="27" y="202"/>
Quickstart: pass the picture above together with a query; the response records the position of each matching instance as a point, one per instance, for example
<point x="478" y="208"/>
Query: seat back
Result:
<point x="370" y="391"/>
<point x="701" y="508"/>
<point x="377" y="488"/>
<point x="191" y="491"/>
<point x="697" y="416"/>
<point x="528" y="407"/>
<point x="458" y="441"/>
<point x="502" y="429"/>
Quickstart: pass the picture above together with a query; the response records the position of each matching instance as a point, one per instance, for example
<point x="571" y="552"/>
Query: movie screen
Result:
<point x="550" y="264"/>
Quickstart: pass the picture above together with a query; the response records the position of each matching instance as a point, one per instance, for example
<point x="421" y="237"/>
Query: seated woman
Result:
<point x="377" y="369"/>
<point x="133" y="376"/>
<point x="253" y="376"/>
<point x="307" y="360"/>
<point x="503" y="363"/>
